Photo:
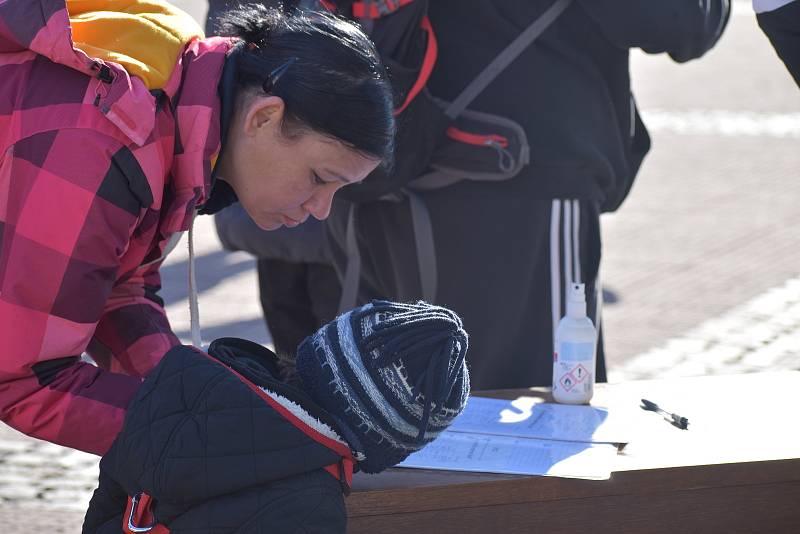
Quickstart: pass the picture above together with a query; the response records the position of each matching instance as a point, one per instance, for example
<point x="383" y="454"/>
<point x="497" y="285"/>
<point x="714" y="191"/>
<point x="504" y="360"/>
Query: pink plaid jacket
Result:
<point x="96" y="174"/>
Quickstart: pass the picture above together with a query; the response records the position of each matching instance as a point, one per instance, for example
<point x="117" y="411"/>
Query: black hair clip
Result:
<point x="275" y="75"/>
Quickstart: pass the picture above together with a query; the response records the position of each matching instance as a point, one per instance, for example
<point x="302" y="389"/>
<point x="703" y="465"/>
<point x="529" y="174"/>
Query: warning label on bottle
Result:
<point x="580" y="373"/>
<point x="568" y="381"/>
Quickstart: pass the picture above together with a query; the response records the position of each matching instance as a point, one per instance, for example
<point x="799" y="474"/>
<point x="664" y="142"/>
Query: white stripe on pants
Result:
<point x="565" y="262"/>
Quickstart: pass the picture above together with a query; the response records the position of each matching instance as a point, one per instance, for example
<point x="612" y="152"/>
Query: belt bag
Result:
<point x="477" y="146"/>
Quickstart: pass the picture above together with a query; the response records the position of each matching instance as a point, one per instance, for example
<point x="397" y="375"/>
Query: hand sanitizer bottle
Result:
<point x="575" y="351"/>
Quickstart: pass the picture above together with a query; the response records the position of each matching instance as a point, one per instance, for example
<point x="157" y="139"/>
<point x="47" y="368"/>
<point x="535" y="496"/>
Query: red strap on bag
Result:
<point x="431" y="52"/>
<point x="377" y="8"/>
<point x="476" y="139"/>
<point x="139" y="518"/>
<point x="381" y="8"/>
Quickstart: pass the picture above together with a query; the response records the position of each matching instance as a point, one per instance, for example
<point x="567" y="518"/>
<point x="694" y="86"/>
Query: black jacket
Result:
<point x="220" y="454"/>
<point x="782" y="26"/>
<point x="571" y="89"/>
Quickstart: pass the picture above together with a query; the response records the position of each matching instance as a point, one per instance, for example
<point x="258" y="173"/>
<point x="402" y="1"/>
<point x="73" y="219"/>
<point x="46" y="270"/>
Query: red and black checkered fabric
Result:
<point x="95" y="177"/>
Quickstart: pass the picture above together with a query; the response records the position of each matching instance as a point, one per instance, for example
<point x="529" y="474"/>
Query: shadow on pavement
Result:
<point x="211" y="268"/>
<point x="233" y="328"/>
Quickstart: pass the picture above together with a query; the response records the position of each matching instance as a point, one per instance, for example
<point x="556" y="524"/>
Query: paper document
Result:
<point x="522" y="437"/>
<point x="524" y="418"/>
<point x="455" y="451"/>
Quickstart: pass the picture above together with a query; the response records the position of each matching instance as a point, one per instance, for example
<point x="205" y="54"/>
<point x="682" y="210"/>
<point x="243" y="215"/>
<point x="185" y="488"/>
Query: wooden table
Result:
<point x="735" y="470"/>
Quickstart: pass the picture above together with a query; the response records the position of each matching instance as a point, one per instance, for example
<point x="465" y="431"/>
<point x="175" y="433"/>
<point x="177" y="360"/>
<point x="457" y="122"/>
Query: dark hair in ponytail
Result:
<point x="325" y="69"/>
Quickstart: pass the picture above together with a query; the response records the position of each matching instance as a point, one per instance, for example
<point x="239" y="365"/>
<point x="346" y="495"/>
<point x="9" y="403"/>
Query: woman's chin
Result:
<point x="269" y="224"/>
<point x="273" y="221"/>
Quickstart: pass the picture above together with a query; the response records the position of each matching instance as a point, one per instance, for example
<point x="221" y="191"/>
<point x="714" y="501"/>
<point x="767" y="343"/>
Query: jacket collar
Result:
<point x="192" y="93"/>
<point x="222" y="194"/>
<point x="256" y="367"/>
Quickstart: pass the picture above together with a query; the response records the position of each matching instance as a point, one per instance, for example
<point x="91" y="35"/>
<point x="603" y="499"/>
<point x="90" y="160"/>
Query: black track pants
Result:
<point x="503" y="261"/>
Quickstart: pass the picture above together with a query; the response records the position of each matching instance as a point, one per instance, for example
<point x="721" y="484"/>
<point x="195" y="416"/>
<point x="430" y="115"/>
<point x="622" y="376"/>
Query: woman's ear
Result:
<point x="263" y="114"/>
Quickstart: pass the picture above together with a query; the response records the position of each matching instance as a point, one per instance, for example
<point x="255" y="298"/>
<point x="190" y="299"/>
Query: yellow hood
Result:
<point x="144" y="36"/>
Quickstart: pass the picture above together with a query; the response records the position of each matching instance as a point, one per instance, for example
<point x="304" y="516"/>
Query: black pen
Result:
<point x="673" y="418"/>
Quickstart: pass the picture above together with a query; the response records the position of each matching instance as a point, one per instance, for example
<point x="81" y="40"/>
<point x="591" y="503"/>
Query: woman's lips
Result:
<point x="289" y="222"/>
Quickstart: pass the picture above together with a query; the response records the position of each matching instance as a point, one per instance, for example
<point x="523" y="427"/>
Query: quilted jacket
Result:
<point x="96" y="175"/>
<point x="218" y="445"/>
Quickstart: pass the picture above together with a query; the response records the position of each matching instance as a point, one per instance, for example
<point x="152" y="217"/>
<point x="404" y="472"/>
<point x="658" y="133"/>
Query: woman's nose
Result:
<point x="319" y="205"/>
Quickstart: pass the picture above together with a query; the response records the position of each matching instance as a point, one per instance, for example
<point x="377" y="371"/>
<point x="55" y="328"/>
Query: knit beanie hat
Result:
<point x="392" y="375"/>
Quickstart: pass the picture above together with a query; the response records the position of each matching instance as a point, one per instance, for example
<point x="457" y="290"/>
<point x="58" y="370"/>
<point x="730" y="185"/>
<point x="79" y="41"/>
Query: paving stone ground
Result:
<point x="700" y="264"/>
<point x="760" y="335"/>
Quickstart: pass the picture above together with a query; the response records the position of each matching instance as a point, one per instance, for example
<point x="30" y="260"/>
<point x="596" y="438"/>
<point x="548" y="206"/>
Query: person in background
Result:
<point x="240" y="440"/>
<point x="150" y="124"/>
<point x="505" y="250"/>
<point x="780" y="21"/>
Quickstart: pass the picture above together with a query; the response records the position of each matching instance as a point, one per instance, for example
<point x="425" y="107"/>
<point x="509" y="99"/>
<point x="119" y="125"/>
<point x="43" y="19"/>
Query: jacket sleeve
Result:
<point x="685" y="29"/>
<point x="133" y="333"/>
<point x="71" y="200"/>
<point x="780" y="21"/>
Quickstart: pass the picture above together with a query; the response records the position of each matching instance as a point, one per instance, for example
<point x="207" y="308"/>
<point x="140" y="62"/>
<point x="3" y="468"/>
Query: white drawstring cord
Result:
<point x="194" y="309"/>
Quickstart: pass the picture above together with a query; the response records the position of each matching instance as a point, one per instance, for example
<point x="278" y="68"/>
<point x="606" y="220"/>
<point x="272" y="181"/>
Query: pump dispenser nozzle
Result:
<point x="576" y="300"/>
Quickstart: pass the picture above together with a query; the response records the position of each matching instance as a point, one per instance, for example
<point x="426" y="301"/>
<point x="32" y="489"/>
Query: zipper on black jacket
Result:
<point x="343" y="478"/>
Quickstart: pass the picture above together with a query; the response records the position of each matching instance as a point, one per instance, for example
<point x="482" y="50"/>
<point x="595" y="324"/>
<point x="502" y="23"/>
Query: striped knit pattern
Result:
<point x="379" y="396"/>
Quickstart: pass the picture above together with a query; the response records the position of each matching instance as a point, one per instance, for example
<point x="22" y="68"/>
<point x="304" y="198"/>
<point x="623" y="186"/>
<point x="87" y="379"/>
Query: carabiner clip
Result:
<point x="131" y="525"/>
